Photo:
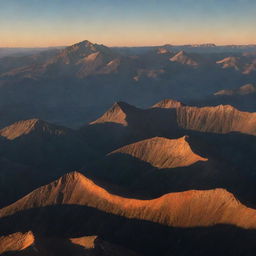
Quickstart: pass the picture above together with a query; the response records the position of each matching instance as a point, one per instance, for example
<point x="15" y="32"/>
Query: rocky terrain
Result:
<point x="168" y="169"/>
<point x="67" y="80"/>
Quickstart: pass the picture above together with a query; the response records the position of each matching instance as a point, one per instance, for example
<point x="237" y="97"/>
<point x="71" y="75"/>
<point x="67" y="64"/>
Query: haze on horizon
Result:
<point x="36" y="23"/>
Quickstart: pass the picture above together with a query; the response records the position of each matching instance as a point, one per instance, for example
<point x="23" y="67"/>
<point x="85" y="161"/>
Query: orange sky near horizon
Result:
<point x="42" y="40"/>
<point x="34" y="23"/>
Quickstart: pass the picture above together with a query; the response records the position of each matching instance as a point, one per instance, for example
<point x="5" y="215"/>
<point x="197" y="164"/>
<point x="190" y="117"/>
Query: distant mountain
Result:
<point x="243" y="90"/>
<point x="185" y="59"/>
<point x="63" y="85"/>
<point x="15" y="63"/>
<point x="83" y="59"/>
<point x="193" y="48"/>
<point x="230" y="62"/>
<point x="13" y="52"/>
<point x="244" y="64"/>
<point x="163" y="50"/>
<point x="168" y="103"/>
<point x="87" y="59"/>
<point x="240" y="97"/>
<point x="79" y="60"/>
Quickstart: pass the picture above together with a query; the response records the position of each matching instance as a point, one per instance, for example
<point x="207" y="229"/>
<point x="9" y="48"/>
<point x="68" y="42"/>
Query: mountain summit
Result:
<point x="185" y="59"/>
<point x="83" y="59"/>
<point x="117" y="114"/>
<point x="190" y="208"/>
<point x="168" y="103"/>
<point x="162" y="152"/>
<point x="243" y="90"/>
<point x="32" y="126"/>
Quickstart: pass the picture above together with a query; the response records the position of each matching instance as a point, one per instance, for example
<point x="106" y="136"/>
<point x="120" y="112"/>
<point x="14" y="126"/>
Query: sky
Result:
<point x="43" y="23"/>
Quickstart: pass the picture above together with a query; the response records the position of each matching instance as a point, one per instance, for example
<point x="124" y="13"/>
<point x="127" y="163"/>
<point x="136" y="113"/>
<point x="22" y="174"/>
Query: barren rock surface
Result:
<point x="183" y="209"/>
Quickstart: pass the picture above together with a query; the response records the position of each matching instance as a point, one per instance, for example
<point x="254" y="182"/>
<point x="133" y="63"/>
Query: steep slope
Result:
<point x="32" y="126"/>
<point x="244" y="64"/>
<point x="230" y="62"/>
<point x="11" y="63"/>
<point x="243" y="90"/>
<point x="185" y="59"/>
<point x="83" y="59"/>
<point x="139" y="119"/>
<point x="80" y="60"/>
<point x="54" y="87"/>
<point x="168" y="103"/>
<point x="185" y="209"/>
<point x="123" y="124"/>
<point x="16" y="242"/>
<point x="117" y="114"/>
<point x="47" y="145"/>
<point x="219" y="119"/>
<point x="162" y="152"/>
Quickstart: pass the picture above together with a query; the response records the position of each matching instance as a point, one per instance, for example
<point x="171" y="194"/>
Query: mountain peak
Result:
<point x="207" y="45"/>
<point x="75" y="52"/>
<point x="226" y="107"/>
<point x="82" y="44"/>
<point x="74" y="176"/>
<point x="168" y="103"/>
<point x="124" y="106"/>
<point x="116" y="114"/>
<point x="26" y="127"/>
<point x="247" y="89"/>
<point x="163" y="50"/>
<point x="183" y="58"/>
<point x="230" y="59"/>
<point x="162" y="152"/>
<point x="82" y="60"/>
<point x="230" y="62"/>
<point x="181" y="53"/>
<point x="217" y="119"/>
<point x="190" y="208"/>
<point x="243" y="90"/>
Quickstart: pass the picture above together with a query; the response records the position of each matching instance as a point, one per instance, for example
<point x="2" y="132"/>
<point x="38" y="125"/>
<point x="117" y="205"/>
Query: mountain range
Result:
<point x="139" y="151"/>
<point x="172" y="169"/>
<point x="42" y="84"/>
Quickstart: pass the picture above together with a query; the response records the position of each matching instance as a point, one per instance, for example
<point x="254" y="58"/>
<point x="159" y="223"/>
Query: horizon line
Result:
<point x="130" y="46"/>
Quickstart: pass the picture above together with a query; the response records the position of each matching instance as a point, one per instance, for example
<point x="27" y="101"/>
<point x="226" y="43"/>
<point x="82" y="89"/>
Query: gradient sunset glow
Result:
<point x="37" y="23"/>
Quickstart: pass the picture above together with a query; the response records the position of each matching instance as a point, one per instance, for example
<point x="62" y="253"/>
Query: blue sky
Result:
<point x="126" y="22"/>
